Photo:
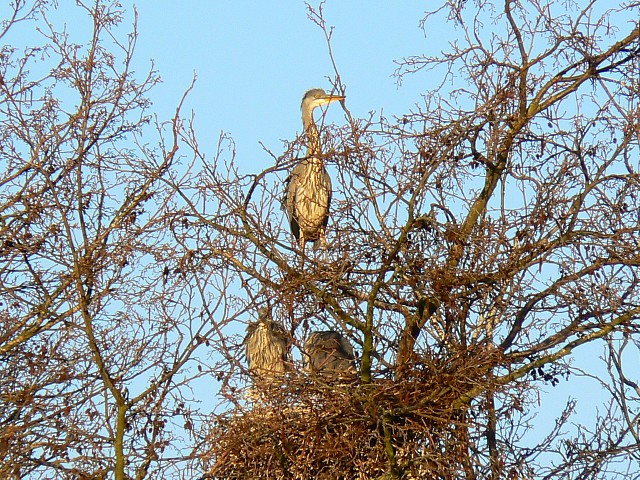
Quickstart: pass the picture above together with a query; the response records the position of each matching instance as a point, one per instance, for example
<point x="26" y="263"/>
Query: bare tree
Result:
<point x="97" y="332"/>
<point x="474" y="244"/>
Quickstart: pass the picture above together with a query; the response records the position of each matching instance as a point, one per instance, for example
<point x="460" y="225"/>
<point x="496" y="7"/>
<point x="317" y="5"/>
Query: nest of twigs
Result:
<point x="307" y="427"/>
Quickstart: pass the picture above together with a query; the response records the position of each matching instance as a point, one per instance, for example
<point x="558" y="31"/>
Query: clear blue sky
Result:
<point x="254" y="60"/>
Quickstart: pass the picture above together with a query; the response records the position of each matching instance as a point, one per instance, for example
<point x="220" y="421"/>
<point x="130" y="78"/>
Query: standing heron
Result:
<point x="266" y="346"/>
<point x="329" y="353"/>
<point x="308" y="190"/>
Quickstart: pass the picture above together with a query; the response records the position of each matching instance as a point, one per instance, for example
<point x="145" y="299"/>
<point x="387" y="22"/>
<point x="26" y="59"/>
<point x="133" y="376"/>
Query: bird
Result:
<point x="329" y="353"/>
<point x="267" y="346"/>
<point x="308" y="187"/>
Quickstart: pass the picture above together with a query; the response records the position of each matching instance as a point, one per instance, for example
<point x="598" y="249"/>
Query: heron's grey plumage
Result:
<point x="266" y="346"/>
<point x="329" y="353"/>
<point x="308" y="189"/>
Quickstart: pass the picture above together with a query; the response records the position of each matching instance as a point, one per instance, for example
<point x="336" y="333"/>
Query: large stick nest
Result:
<point x="305" y="427"/>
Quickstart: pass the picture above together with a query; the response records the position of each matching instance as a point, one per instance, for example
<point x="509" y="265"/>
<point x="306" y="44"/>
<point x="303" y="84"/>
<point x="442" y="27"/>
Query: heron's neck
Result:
<point x="313" y="137"/>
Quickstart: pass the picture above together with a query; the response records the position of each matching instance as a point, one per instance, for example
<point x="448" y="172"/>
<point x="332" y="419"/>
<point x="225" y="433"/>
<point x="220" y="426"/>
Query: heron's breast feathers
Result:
<point x="308" y="198"/>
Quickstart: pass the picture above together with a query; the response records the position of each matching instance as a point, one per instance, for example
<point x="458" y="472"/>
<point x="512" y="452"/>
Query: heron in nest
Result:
<point x="329" y="353"/>
<point x="266" y="346"/>
<point x="308" y="187"/>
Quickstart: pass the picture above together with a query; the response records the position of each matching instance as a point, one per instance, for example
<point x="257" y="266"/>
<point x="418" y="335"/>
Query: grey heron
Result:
<point x="266" y="346"/>
<point x="329" y="353"/>
<point x="308" y="190"/>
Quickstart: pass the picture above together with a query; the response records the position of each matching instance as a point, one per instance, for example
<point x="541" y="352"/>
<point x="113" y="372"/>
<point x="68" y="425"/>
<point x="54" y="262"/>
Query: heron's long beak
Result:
<point x="327" y="99"/>
<point x="334" y="98"/>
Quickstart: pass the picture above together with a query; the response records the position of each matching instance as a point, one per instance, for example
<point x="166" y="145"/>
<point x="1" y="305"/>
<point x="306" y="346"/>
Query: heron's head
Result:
<point x="317" y="97"/>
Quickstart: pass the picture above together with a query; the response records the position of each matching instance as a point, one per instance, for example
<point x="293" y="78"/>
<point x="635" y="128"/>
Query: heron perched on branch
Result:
<point x="266" y="346"/>
<point x="308" y="190"/>
<point x="329" y="353"/>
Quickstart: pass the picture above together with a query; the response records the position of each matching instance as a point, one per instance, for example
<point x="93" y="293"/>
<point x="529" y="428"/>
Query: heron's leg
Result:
<point x="323" y="238"/>
<point x="302" y="243"/>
